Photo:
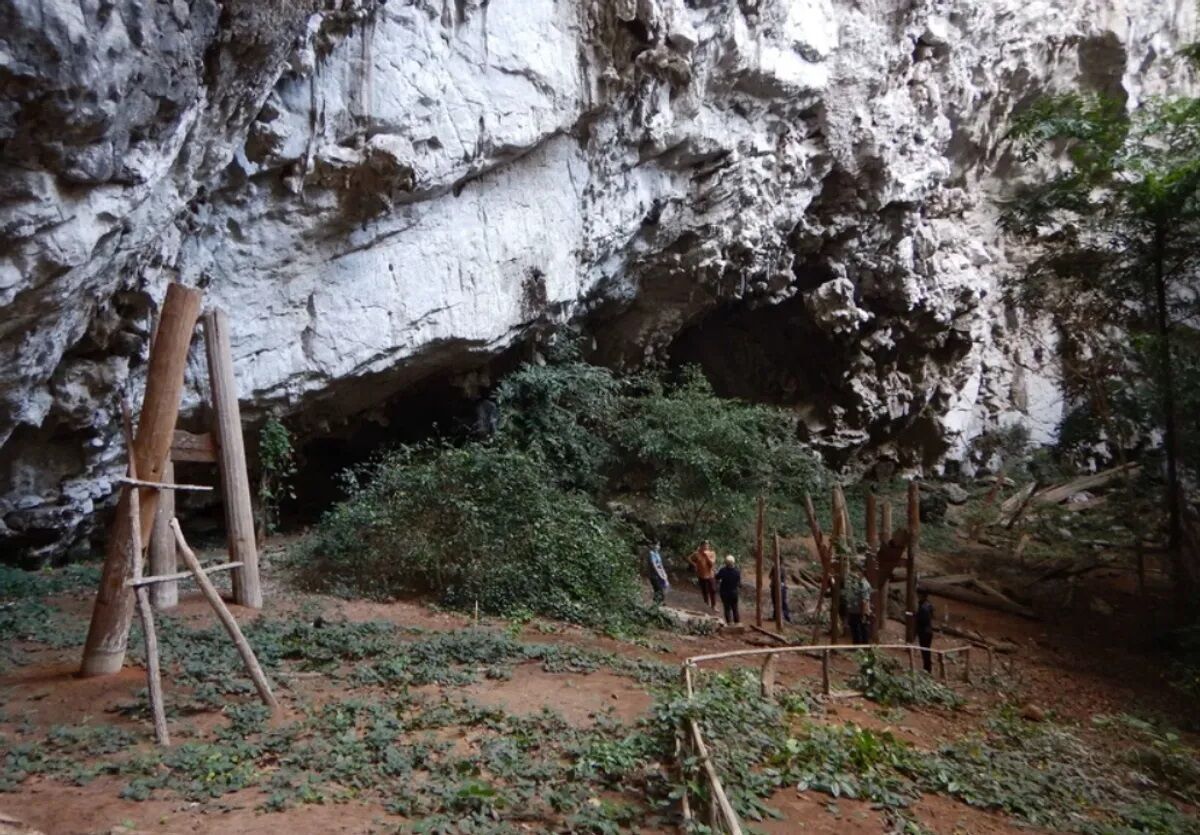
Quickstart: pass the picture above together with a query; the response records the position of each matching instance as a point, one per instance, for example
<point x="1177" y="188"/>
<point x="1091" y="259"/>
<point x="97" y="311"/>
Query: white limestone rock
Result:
<point x="380" y="190"/>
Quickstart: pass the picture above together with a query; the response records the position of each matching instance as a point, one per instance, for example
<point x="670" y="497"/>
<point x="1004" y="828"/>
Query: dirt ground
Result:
<point x="1071" y="668"/>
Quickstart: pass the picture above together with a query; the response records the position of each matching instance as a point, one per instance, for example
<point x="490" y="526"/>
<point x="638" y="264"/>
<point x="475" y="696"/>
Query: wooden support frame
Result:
<point x="108" y="632"/>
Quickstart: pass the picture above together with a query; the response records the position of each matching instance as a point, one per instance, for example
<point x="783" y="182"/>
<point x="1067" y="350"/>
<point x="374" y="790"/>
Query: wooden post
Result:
<point x="825" y="672"/>
<point x="912" y="660"/>
<point x="914" y="534"/>
<point x="941" y="656"/>
<point x="162" y="545"/>
<point x="108" y="633"/>
<point x="778" y="586"/>
<point x="231" y="626"/>
<point x="847" y="527"/>
<point x="769" y="669"/>
<point x="823" y="556"/>
<point x="872" y="532"/>
<point x="145" y="613"/>
<point x="835" y="602"/>
<point x="991" y="662"/>
<point x="758" y="563"/>
<point x="837" y="519"/>
<point x="231" y="461"/>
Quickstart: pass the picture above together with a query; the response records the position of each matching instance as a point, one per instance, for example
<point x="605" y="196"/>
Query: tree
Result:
<point x="1118" y="234"/>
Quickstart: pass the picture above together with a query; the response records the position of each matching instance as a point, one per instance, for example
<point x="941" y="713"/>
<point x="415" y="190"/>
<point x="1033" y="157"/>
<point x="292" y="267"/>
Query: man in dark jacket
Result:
<point x="925" y="630"/>
<point x="729" y="581"/>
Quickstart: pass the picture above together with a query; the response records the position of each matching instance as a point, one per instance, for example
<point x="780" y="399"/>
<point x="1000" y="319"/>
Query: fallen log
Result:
<point x="1062" y="492"/>
<point x="952" y="592"/>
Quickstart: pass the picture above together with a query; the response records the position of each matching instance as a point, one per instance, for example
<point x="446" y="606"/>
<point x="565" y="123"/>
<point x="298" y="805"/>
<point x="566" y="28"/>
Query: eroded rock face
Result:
<point x="799" y="194"/>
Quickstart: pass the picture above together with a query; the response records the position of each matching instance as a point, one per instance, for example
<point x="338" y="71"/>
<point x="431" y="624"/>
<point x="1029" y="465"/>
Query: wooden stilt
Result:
<point x="823" y="554"/>
<point x="145" y="613"/>
<point x="778" y="586"/>
<point x="914" y="535"/>
<point x="758" y="563"/>
<point x="231" y="461"/>
<point x="108" y="633"/>
<point x="162" y="545"/>
<point x="227" y="620"/>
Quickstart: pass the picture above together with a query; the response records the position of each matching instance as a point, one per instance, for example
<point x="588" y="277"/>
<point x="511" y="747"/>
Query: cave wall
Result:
<point x="382" y="193"/>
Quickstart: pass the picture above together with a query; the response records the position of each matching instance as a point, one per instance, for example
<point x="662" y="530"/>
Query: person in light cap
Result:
<point x="729" y="581"/>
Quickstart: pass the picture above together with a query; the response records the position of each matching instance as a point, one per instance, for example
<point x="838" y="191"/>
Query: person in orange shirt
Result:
<point x="704" y="560"/>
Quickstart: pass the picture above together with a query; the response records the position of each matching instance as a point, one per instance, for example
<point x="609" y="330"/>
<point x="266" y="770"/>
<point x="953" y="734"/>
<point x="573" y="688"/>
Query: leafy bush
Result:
<point x="708" y="458"/>
<point x="481" y="523"/>
<point x="564" y="415"/>
<point x="881" y="680"/>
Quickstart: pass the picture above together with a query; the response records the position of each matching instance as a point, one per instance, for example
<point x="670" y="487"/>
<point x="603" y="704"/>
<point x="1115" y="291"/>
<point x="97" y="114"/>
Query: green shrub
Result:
<point x="707" y="458"/>
<point x="481" y="523"/>
<point x="881" y="680"/>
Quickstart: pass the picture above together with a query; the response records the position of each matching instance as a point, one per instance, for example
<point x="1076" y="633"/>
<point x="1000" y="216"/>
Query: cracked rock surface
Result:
<point x="799" y="194"/>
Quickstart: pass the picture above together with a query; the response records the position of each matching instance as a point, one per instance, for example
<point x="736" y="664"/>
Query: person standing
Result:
<point x="704" y="560"/>
<point x="783" y="595"/>
<point x="658" y="575"/>
<point x="857" y="595"/>
<point x="729" y="580"/>
<point x="925" y="629"/>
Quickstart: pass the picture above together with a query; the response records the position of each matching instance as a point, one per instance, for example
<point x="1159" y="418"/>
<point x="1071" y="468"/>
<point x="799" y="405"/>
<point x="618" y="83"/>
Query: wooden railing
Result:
<point x="722" y="817"/>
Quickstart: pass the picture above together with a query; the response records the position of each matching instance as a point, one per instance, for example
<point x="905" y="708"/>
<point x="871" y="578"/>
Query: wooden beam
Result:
<point x="987" y="601"/>
<point x="227" y="620"/>
<point x="231" y="460"/>
<point x="162" y="546"/>
<point x="914" y="535"/>
<point x="165" y="485"/>
<point x="187" y="446"/>
<point x="163" y="579"/>
<point x="108" y="633"/>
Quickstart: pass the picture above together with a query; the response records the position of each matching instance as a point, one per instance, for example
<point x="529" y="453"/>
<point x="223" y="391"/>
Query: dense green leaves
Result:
<point x="543" y="516"/>
<point x="480" y="523"/>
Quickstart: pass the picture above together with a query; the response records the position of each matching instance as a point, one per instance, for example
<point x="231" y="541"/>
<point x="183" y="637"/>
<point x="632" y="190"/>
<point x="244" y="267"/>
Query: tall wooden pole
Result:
<point x="837" y="545"/>
<point x="231" y="461"/>
<point x="823" y="554"/>
<point x="884" y="594"/>
<point x="162" y="546"/>
<point x="108" y="633"/>
<point x="872" y="571"/>
<point x="914" y="534"/>
<point x="872" y="532"/>
<point x="758" y="563"/>
<point x="778" y="585"/>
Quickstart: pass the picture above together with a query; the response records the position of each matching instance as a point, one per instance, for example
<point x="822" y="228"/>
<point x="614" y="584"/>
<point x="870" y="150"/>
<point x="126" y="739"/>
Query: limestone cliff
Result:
<point x="798" y="194"/>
